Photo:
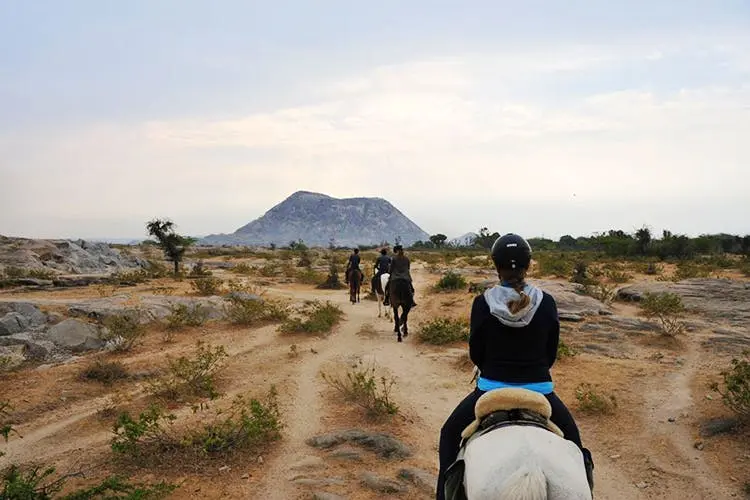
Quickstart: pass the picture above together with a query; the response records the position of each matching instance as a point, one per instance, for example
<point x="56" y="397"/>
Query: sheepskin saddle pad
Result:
<point x="509" y="406"/>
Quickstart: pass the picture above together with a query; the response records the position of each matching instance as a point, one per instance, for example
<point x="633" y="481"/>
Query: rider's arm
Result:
<point x="554" y="335"/>
<point x="476" y="334"/>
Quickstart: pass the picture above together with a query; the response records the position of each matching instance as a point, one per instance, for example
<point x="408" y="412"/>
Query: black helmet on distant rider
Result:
<point x="511" y="251"/>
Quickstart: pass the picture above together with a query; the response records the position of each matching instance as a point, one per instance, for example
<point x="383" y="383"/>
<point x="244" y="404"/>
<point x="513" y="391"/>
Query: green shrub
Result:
<point x="554" y="264"/>
<point x="250" y="311"/>
<point x="736" y="390"/>
<point x="362" y="386"/>
<point x="451" y="281"/>
<point x="600" y="291"/>
<point x="207" y="286"/>
<point x="316" y="317"/>
<point x="310" y="277"/>
<point x="243" y="268"/>
<point x="130" y="433"/>
<point x="440" y="331"/>
<point x="193" y="376"/>
<point x="12" y="272"/>
<point x="565" y="351"/>
<point x="125" y="330"/>
<point x="668" y="308"/>
<point x="688" y="269"/>
<point x="130" y="277"/>
<point x="183" y="315"/>
<point x="6" y="428"/>
<point x="106" y="372"/>
<point x="246" y="425"/>
<point x="592" y="402"/>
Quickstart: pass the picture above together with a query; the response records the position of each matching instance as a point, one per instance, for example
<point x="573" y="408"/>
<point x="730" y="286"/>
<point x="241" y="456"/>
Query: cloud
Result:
<point x="467" y="130"/>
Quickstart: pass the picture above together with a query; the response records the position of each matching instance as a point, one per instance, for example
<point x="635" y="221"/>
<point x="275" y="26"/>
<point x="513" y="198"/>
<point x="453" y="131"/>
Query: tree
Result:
<point x="438" y="239"/>
<point x="485" y="239"/>
<point x="643" y="236"/>
<point x="173" y="244"/>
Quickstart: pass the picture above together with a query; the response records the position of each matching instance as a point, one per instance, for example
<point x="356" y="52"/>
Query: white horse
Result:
<point x="520" y="462"/>
<point x="383" y="282"/>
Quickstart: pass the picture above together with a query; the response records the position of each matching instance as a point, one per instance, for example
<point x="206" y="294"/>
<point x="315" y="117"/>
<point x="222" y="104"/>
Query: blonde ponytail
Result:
<point x="515" y="277"/>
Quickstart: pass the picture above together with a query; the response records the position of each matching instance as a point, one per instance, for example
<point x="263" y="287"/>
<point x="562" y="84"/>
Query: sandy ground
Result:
<point x="645" y="450"/>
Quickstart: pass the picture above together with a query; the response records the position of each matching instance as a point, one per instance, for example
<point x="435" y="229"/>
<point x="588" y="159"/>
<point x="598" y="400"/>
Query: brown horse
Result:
<point x="400" y="296"/>
<point x="355" y="281"/>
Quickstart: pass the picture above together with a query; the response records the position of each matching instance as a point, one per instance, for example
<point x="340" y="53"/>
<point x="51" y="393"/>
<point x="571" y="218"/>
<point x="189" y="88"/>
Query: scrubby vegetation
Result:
<point x="440" y="331"/>
<point x="313" y="317"/>
<point x="667" y="308"/>
<point x="591" y="401"/>
<point x="363" y="386"/>
<point x="124" y="331"/>
<point x="184" y="315"/>
<point x="153" y="435"/>
<point x="735" y="388"/>
<point x="451" y="281"/>
<point x="106" y="372"/>
<point x="192" y="376"/>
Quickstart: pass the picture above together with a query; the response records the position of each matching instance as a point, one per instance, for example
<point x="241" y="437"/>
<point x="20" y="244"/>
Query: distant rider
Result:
<point x="400" y="269"/>
<point x="352" y="264"/>
<point x="382" y="265"/>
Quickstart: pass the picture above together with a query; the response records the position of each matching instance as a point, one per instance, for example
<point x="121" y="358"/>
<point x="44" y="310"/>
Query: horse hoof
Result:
<point x="400" y="339"/>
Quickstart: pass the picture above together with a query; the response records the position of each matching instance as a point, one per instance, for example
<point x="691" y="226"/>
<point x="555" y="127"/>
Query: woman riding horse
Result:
<point x="513" y="339"/>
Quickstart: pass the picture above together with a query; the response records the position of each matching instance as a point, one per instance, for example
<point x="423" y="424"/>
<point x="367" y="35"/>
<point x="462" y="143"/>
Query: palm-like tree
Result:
<point x="173" y="244"/>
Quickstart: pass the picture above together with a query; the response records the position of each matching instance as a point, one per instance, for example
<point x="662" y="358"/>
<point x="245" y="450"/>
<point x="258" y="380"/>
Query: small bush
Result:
<point x="600" y="291"/>
<point x="6" y="429"/>
<point x="554" y="264"/>
<point x="194" y="376"/>
<point x="125" y="330"/>
<point x="129" y="278"/>
<point x="565" y="351"/>
<point x="207" y="286"/>
<point x="362" y="386"/>
<point x="12" y="272"/>
<point x="106" y="372"/>
<point x="310" y="277"/>
<point x="130" y="434"/>
<point x="198" y="270"/>
<point x="316" y="318"/>
<point x="451" y="281"/>
<point x="590" y="401"/>
<point x="183" y="315"/>
<point x="687" y="269"/>
<point x="443" y="331"/>
<point x="243" y="268"/>
<point x="247" y="425"/>
<point x="736" y="389"/>
<point x="618" y="276"/>
<point x="250" y="311"/>
<point x="668" y="308"/>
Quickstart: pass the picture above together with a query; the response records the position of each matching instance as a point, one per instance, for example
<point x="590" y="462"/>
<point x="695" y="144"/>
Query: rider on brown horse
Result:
<point x="352" y="264"/>
<point x="400" y="269"/>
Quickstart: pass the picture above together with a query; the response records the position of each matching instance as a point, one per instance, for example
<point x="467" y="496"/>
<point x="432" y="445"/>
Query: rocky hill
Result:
<point x="317" y="218"/>
<point x="64" y="256"/>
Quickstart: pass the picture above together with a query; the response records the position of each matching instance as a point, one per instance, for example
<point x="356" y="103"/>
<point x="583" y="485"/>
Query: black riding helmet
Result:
<point x="511" y="251"/>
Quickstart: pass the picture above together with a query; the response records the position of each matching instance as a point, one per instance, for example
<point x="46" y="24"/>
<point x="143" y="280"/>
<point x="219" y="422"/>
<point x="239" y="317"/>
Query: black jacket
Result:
<point x="514" y="355"/>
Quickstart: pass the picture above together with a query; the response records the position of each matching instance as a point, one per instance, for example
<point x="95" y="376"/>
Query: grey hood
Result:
<point x="498" y="297"/>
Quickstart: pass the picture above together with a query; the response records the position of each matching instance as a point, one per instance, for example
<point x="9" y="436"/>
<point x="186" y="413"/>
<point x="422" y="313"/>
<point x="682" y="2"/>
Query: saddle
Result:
<point x="495" y="409"/>
<point x="510" y="406"/>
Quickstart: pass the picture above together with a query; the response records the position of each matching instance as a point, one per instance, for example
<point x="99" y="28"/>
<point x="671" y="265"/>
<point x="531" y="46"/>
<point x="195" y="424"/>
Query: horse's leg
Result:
<point x="396" y="328"/>
<point x="380" y="306"/>
<point x="405" y="318"/>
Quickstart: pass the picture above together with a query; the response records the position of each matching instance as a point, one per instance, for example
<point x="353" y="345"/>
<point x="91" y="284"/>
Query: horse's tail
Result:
<point x="525" y="484"/>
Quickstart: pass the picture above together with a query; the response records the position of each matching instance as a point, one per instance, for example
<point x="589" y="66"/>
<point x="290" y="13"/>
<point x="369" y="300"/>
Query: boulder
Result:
<point x="76" y="335"/>
<point x="13" y="322"/>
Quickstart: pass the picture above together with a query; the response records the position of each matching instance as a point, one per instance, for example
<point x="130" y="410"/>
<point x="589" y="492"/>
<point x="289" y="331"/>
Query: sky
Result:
<point x="532" y="116"/>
